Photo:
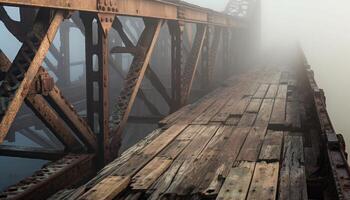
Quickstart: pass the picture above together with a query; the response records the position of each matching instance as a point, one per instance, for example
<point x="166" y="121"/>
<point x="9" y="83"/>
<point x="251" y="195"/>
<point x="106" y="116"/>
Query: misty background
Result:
<point x="322" y="27"/>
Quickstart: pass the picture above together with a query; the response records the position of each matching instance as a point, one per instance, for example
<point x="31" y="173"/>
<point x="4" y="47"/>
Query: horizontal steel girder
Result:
<point x="141" y="8"/>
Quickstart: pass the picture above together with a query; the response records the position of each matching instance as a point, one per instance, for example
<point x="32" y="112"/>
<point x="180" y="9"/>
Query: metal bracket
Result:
<point x="181" y="14"/>
<point x="106" y="19"/>
<point x="44" y="83"/>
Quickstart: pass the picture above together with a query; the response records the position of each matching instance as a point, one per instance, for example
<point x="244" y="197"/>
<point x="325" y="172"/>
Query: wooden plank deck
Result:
<point x="238" y="142"/>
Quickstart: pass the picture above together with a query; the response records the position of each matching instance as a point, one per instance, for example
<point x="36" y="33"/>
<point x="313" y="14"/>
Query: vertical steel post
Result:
<point x="176" y="31"/>
<point x="97" y="82"/>
<point x="225" y="52"/>
<point x="205" y="73"/>
<point x="64" y="58"/>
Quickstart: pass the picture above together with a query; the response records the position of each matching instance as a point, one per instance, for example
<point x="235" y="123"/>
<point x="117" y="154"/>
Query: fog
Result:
<point x="322" y="27"/>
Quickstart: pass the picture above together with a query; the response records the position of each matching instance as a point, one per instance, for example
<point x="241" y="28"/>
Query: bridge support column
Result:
<point x="210" y="48"/>
<point x="205" y="58"/>
<point x="176" y="32"/>
<point x="97" y="82"/>
<point x="63" y="58"/>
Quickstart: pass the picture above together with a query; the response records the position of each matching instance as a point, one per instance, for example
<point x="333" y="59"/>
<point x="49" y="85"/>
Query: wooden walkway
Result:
<point x="242" y="141"/>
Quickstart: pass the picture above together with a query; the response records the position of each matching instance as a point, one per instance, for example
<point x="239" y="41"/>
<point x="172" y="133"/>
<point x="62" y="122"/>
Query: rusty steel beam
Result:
<point x="204" y="73"/>
<point x="141" y="95"/>
<point x="31" y="152"/>
<point x="68" y="171"/>
<point x="151" y="107"/>
<point x="18" y="81"/>
<point x="45" y="113"/>
<point x="53" y="122"/>
<point x="192" y="63"/>
<point x="118" y="26"/>
<point x="63" y="72"/>
<point x="225" y="50"/>
<point x="132" y="84"/>
<point x="176" y="33"/>
<point x="142" y="8"/>
<point x="213" y="53"/>
<point x="158" y="85"/>
<point x="13" y="26"/>
<point x="150" y="74"/>
<point x="67" y="112"/>
<point x="97" y="79"/>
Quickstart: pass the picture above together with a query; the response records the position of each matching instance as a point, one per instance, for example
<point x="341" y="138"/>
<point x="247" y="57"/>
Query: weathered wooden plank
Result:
<point x="254" y="106"/>
<point x="254" y="86"/>
<point x="216" y="165"/>
<point x="264" y="114"/>
<point x="293" y="151"/>
<point x="247" y="120"/>
<point x="272" y="92"/>
<point x="225" y="111"/>
<point x="170" y="119"/>
<point x="107" y="189"/>
<point x="196" y="109"/>
<point x="293" y="115"/>
<point x="136" y="162"/>
<point x="240" y="106"/>
<point x="264" y="182"/>
<point x="233" y="121"/>
<point x="189" y="155"/>
<point x="199" y="143"/>
<point x="297" y="183"/>
<point x="164" y="182"/>
<point x="284" y="78"/>
<point x="282" y="91"/>
<point x="208" y="170"/>
<point x="216" y="143"/>
<point x="207" y="115"/>
<point x="150" y="173"/>
<point x="237" y="182"/>
<point x="174" y="149"/>
<point x="126" y="157"/>
<point x="275" y="78"/>
<point x="164" y="139"/>
<point x="261" y="91"/>
<point x="252" y="145"/>
<point x="278" y="116"/>
<point x="292" y="174"/>
<point x="272" y="146"/>
<point x="190" y="132"/>
<point x="239" y="100"/>
<point x="178" y="145"/>
<point x="212" y="181"/>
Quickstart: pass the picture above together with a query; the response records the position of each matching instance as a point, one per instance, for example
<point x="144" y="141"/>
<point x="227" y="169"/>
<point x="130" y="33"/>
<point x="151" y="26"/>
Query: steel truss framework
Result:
<point x="96" y="137"/>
